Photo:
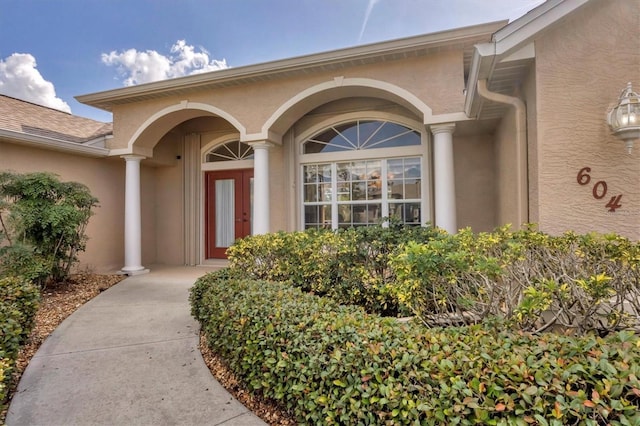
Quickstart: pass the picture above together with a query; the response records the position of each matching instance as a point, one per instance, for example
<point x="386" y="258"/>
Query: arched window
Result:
<point x="359" y="135"/>
<point x="230" y="151"/>
<point x="348" y="191"/>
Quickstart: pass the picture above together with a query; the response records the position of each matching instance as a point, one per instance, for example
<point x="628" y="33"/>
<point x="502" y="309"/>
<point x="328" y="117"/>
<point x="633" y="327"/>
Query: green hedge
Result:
<point x="18" y="305"/>
<point x="351" y="266"/>
<point x="533" y="280"/>
<point x="332" y="364"/>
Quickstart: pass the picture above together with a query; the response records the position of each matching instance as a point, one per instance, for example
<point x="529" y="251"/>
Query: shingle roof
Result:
<point x="24" y="117"/>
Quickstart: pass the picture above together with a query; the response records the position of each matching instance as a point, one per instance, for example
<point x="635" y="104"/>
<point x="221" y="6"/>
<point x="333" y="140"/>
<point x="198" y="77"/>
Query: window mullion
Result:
<point x="384" y="211"/>
<point x="334" y="196"/>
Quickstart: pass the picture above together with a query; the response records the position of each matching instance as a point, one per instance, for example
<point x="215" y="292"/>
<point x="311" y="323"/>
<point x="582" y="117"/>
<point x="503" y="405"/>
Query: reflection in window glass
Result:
<point x="359" y="135"/>
<point x="362" y="193"/>
<point x="317" y="216"/>
<point x="230" y="151"/>
<point x="317" y="195"/>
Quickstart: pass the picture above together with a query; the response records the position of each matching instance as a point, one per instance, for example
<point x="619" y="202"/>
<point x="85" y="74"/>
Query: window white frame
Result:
<point x="422" y="151"/>
<point x="222" y="165"/>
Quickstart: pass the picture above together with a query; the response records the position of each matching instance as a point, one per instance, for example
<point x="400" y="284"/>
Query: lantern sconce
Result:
<point x="624" y="118"/>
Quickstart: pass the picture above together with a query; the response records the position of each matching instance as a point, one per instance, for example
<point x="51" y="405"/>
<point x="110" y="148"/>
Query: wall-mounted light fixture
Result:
<point x="624" y="118"/>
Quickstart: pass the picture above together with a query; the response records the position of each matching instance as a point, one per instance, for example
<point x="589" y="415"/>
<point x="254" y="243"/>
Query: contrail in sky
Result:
<point x="366" y="17"/>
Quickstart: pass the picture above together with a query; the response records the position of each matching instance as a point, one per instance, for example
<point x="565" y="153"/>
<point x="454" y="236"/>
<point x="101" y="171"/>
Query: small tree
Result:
<point x="43" y="223"/>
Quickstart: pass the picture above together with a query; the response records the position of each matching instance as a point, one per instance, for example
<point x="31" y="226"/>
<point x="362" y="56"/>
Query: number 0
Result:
<point x="598" y="194"/>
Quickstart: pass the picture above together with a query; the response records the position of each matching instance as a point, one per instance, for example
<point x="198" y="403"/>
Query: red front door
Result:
<point x="227" y="209"/>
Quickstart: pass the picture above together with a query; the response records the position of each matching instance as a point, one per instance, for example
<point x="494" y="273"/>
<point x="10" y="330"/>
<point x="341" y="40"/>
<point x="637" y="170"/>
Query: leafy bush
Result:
<point x="332" y="364"/>
<point x="18" y="305"/>
<point x="43" y="222"/>
<point x="350" y="266"/>
<point x="577" y="282"/>
<point x="23" y="297"/>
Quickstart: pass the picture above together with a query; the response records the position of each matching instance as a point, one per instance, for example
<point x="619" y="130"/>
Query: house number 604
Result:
<point x="599" y="190"/>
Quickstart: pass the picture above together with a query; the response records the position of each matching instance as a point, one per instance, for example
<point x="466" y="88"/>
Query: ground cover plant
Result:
<point x="328" y="363"/>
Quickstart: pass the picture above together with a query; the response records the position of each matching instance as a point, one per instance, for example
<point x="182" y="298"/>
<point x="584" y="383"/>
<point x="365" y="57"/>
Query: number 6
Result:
<point x="583" y="176"/>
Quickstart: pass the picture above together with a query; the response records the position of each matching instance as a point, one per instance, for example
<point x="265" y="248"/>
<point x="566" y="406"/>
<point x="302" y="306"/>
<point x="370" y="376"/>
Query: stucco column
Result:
<point x="261" y="205"/>
<point x="132" y="218"/>
<point x="444" y="177"/>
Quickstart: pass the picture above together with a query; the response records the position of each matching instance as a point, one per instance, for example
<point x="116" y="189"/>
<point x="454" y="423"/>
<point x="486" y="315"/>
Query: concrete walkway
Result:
<point x="128" y="357"/>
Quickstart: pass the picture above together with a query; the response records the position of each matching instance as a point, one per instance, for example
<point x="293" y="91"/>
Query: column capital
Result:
<point x="442" y="128"/>
<point x="260" y="145"/>
<point x="133" y="157"/>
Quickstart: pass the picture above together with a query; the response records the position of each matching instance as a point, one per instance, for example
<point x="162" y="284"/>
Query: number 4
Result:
<point x="614" y="203"/>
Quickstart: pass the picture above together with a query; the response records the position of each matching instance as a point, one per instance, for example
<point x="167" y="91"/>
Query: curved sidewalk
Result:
<point x="129" y="357"/>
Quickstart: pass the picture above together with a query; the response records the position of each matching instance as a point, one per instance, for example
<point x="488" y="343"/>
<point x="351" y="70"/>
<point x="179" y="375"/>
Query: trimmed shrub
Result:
<point x="23" y="297"/>
<point x="350" y="266"/>
<point x="332" y="364"/>
<point x="578" y="282"/>
<point x="18" y="305"/>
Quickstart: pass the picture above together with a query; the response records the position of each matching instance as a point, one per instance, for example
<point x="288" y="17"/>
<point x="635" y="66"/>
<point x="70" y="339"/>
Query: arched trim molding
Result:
<point x="337" y="88"/>
<point x="220" y="140"/>
<point x="183" y="111"/>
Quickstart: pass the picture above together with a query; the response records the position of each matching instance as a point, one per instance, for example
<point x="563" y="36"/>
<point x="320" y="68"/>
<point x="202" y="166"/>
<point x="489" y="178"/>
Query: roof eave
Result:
<point x="508" y="40"/>
<point x="42" y="142"/>
<point x="106" y="99"/>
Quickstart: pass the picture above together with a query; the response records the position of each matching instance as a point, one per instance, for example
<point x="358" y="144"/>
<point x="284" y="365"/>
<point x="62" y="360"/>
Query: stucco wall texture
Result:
<point x="576" y="86"/>
<point x="105" y="180"/>
<point x="506" y="169"/>
<point x="437" y="80"/>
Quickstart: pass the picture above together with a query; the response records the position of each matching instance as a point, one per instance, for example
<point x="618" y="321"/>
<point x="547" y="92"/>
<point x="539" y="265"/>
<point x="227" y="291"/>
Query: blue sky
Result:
<point x="53" y="50"/>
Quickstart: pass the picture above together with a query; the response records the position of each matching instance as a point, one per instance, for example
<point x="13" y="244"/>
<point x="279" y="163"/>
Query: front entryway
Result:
<point x="228" y="209"/>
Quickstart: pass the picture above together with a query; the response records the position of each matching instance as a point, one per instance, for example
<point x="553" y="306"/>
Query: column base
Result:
<point x="130" y="273"/>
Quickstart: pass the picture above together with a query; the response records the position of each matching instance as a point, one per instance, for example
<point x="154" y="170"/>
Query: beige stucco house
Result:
<point x="478" y="126"/>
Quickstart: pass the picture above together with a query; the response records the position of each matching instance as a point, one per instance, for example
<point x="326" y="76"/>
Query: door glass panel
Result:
<point x="251" y="205"/>
<point x="225" y="214"/>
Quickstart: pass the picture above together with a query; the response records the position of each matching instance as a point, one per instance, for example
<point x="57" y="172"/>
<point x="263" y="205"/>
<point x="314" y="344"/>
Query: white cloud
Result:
<point x="20" y="79"/>
<point x="144" y="67"/>
<point x="367" y="14"/>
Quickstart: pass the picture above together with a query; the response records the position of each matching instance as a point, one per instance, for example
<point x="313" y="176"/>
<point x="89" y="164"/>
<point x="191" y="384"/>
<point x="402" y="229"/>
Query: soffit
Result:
<point x="507" y="79"/>
<point x="462" y="39"/>
<point x="506" y="61"/>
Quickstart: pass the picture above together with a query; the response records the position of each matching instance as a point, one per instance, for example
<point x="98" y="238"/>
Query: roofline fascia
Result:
<point x="509" y="39"/>
<point x="483" y="58"/>
<point x="522" y="30"/>
<point x="292" y="64"/>
<point x="52" y="144"/>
